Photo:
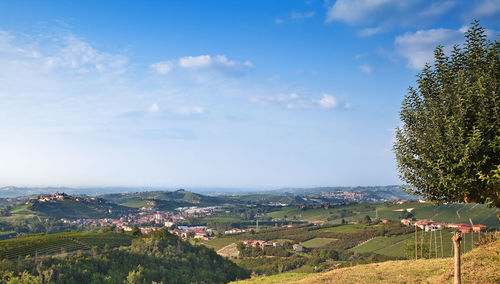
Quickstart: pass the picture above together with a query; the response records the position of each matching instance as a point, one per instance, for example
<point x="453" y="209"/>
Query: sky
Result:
<point x="261" y="94"/>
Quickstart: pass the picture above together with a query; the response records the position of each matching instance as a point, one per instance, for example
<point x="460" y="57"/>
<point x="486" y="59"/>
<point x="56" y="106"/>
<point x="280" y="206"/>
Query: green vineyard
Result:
<point x="41" y="244"/>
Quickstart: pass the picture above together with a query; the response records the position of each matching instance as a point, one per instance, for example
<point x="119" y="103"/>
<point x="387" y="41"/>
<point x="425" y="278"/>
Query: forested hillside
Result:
<point x="161" y="258"/>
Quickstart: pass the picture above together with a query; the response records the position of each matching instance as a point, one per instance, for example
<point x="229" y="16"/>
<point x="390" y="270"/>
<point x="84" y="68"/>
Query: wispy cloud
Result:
<point x="418" y="47"/>
<point x="302" y="15"/>
<point x="294" y="101"/>
<point x="377" y="16"/>
<point x="365" y="68"/>
<point x="328" y="102"/>
<point x="218" y="63"/>
<point x="190" y="110"/>
<point x="163" y="67"/>
<point x="153" y="108"/>
<point x="485" y="8"/>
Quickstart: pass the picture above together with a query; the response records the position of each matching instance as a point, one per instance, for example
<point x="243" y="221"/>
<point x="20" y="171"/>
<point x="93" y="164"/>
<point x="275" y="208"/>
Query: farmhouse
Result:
<point x="278" y="244"/>
<point x="297" y="247"/>
<point x="478" y="228"/>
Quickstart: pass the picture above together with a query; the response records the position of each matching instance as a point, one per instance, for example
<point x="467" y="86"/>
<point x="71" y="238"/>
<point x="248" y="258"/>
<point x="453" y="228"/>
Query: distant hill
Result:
<point x="385" y="192"/>
<point x="165" y="199"/>
<point x="267" y="198"/>
<point x="4" y="202"/>
<point x="71" y="207"/>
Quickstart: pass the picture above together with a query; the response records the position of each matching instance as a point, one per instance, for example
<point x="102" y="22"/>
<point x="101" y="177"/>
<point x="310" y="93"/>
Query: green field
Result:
<point x="317" y="242"/>
<point x="138" y="204"/>
<point x="21" y="209"/>
<point x="451" y="213"/>
<point x="390" y="246"/>
<point x="395" y="245"/>
<point x="58" y="243"/>
<point x="218" y="243"/>
<point x="354" y="212"/>
<point x="348" y="228"/>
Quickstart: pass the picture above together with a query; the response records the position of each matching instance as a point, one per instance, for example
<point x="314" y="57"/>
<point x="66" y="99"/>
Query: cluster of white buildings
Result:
<point x="429" y="225"/>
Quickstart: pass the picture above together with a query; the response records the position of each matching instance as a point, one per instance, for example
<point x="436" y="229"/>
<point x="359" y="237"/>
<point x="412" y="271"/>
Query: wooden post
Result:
<point x="416" y="246"/>
<point x="441" y="237"/>
<point x="472" y="240"/>
<point x="436" y="243"/>
<point x="456" y="243"/>
<point x="430" y="245"/>
<point x="422" y="245"/>
<point x="463" y="249"/>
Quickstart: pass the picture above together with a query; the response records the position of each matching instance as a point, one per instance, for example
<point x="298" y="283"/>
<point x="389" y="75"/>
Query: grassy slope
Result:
<point x="137" y="204"/>
<point x="478" y="266"/>
<point x="395" y="245"/>
<point x="480" y="214"/>
<point x="69" y="209"/>
<point x="358" y="210"/>
<point x="317" y="242"/>
<point x="219" y="243"/>
<point x="390" y="246"/>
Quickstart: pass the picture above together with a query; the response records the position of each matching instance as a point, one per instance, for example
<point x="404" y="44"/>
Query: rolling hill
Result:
<point x="71" y="208"/>
<point x="166" y="200"/>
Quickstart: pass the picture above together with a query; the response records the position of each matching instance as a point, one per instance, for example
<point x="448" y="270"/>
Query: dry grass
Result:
<point x="481" y="265"/>
<point x="229" y="251"/>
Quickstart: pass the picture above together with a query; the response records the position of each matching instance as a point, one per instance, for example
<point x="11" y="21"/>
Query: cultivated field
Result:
<point x="42" y="244"/>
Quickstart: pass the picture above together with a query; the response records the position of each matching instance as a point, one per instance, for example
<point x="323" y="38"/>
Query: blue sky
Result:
<point x="213" y="93"/>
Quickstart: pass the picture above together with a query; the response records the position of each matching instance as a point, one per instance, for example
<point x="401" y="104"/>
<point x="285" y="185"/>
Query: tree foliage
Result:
<point x="161" y="257"/>
<point x="450" y="132"/>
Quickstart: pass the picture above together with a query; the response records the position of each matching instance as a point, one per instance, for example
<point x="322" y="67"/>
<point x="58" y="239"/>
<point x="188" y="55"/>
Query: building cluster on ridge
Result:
<point x="429" y="225"/>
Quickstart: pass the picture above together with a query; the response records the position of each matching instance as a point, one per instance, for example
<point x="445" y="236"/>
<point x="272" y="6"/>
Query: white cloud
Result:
<point x="153" y="108"/>
<point x="278" y="21"/>
<point x="418" y="47"/>
<point x="302" y="16"/>
<point x="486" y="8"/>
<point x="377" y="16"/>
<point x="213" y="62"/>
<point x="367" y="69"/>
<point x="328" y="102"/>
<point x="163" y="67"/>
<point x="294" y="101"/>
<point x="219" y="63"/>
<point x="372" y="31"/>
<point x="279" y="99"/>
<point x="190" y="110"/>
<point x="356" y="11"/>
<point x="438" y="8"/>
<point x="196" y="62"/>
<point x="72" y="52"/>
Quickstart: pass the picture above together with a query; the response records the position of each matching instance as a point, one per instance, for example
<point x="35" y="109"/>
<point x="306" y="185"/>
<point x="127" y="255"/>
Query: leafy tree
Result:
<point x="367" y="220"/>
<point x="450" y="132"/>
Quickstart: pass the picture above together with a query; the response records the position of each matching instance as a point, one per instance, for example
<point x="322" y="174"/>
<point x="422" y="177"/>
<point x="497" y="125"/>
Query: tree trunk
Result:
<point x="456" y="243"/>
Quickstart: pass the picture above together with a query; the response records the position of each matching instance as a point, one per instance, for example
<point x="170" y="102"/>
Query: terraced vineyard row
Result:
<point x="57" y="243"/>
